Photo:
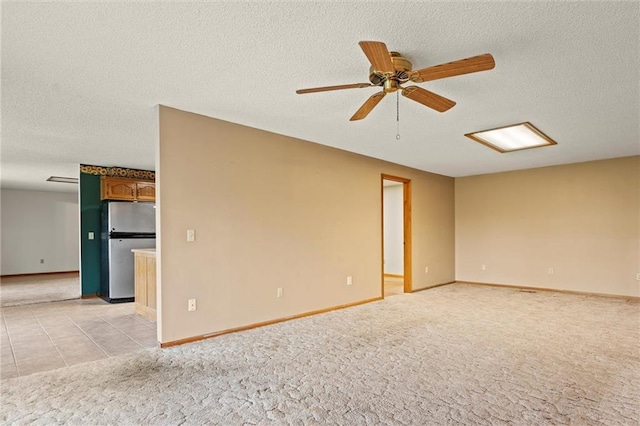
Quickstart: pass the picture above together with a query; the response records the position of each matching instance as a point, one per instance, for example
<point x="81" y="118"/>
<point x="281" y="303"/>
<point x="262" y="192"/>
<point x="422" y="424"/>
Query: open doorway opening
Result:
<point x="40" y="248"/>
<point x="396" y="235"/>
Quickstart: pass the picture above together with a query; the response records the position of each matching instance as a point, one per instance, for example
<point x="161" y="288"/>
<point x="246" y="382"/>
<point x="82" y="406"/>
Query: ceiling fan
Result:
<point x="390" y="69"/>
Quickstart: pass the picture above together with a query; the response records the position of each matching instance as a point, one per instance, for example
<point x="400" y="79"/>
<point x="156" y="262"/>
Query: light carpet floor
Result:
<point x="24" y="290"/>
<point x="458" y="354"/>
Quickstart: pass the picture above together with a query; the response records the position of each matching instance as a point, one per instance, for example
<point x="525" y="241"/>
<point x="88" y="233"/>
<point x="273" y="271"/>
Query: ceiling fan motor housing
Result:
<point x="402" y="67"/>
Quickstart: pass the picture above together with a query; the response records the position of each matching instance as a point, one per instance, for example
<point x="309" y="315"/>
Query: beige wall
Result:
<point x="272" y="211"/>
<point x="582" y="220"/>
<point x="39" y="225"/>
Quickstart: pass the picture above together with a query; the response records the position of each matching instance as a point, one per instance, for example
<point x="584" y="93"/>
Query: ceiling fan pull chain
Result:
<point x="397" y="115"/>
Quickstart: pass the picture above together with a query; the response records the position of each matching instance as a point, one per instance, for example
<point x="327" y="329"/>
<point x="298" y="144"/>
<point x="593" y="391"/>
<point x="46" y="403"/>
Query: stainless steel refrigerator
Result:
<point x="125" y="225"/>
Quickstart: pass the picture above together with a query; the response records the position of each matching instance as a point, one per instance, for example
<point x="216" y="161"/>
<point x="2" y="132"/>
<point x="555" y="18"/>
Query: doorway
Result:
<point x="396" y="235"/>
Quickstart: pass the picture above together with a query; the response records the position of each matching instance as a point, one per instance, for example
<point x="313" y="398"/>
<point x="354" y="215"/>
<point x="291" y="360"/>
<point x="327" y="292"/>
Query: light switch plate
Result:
<point x="191" y="235"/>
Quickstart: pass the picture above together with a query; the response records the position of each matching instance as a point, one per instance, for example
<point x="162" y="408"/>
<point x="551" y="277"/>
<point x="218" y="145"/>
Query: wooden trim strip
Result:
<point x="89" y="296"/>
<point x="38" y="273"/>
<point x="265" y="323"/>
<point x="382" y="236"/>
<point x="554" y="290"/>
<point x="394" y="275"/>
<point x="408" y="235"/>
<point x="433" y="286"/>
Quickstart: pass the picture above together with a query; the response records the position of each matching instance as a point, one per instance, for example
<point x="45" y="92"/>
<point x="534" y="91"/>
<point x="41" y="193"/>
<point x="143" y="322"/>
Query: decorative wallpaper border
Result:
<point x="117" y="171"/>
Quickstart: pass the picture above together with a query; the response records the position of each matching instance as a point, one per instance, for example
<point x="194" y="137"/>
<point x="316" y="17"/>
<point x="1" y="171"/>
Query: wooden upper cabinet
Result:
<point x="115" y="188"/>
<point x="146" y="191"/>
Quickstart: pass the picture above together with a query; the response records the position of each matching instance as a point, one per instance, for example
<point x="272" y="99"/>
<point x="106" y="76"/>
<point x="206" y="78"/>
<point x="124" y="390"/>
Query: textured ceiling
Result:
<point x="80" y="80"/>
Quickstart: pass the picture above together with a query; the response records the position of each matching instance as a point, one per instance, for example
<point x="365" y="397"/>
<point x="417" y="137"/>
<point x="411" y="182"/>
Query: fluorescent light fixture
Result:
<point x="62" y="179"/>
<point x="512" y="138"/>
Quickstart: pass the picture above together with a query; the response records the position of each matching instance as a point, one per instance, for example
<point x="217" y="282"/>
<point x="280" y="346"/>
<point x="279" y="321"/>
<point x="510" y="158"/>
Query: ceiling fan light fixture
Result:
<point x="514" y="137"/>
<point x="389" y="70"/>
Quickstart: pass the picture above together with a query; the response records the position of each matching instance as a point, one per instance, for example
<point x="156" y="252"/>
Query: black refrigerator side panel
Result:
<point x="104" y="253"/>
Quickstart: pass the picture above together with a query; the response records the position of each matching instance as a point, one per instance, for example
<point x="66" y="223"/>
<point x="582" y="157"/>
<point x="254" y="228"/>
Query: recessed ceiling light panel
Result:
<point x="62" y="179"/>
<point x="512" y="138"/>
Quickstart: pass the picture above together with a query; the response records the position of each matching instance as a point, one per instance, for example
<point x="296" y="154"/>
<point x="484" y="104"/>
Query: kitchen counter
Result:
<point x="151" y="252"/>
<point x="145" y="282"/>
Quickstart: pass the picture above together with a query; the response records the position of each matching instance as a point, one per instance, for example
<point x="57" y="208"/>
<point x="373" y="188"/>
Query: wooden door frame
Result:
<point x="406" y="214"/>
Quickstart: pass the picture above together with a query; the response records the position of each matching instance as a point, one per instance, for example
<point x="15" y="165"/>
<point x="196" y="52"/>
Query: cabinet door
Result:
<point x="146" y="191"/>
<point x="141" y="279"/>
<point x="151" y="282"/>
<point x="118" y="189"/>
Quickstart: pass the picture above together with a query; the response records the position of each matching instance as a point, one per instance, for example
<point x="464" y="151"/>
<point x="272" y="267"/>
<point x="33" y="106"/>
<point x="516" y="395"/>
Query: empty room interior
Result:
<point x="320" y="213"/>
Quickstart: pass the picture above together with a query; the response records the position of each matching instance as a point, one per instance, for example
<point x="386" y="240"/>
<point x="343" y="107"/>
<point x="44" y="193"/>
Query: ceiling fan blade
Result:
<point x="427" y="98"/>
<point x="379" y="56"/>
<point x="366" y="108"/>
<point x="327" y="88"/>
<point x="463" y="66"/>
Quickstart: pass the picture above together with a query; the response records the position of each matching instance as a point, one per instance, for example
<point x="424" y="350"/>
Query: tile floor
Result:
<point x="45" y="336"/>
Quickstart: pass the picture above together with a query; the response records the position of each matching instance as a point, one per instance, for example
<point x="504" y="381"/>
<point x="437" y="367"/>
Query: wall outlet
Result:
<point x="191" y="235"/>
<point x="41" y="260"/>
<point x="638" y="277"/>
<point x="279" y="292"/>
<point x="483" y="267"/>
<point x="550" y="271"/>
<point x="426" y="269"/>
<point x="192" y="304"/>
<point x="91" y="235"/>
<point x="349" y="280"/>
